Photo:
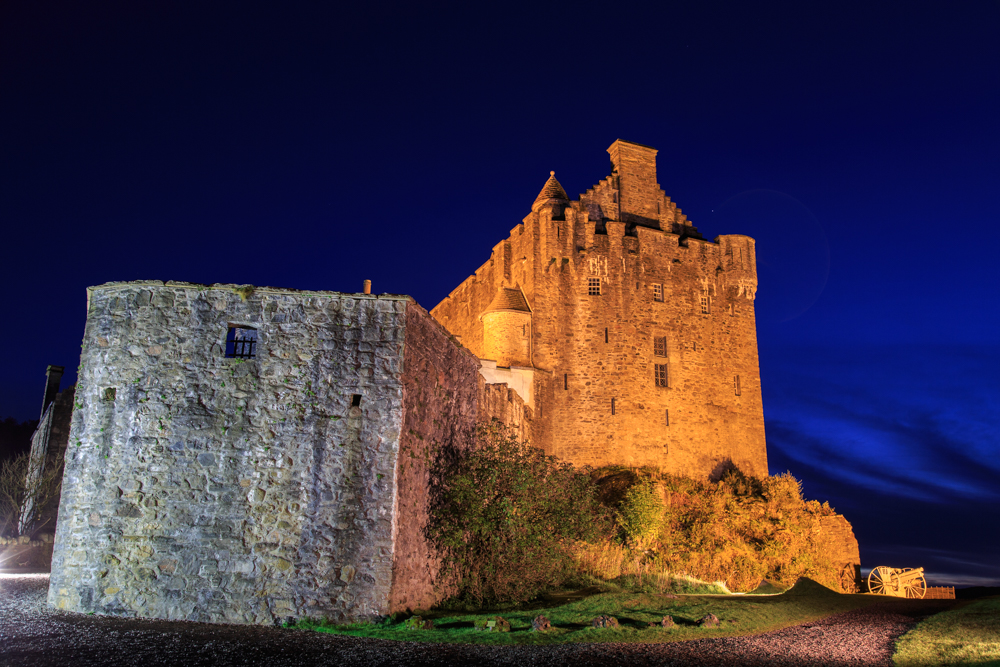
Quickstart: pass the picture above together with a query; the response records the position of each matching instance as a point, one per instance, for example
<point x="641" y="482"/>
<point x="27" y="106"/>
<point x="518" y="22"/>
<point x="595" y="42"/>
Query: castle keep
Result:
<point x="629" y="336"/>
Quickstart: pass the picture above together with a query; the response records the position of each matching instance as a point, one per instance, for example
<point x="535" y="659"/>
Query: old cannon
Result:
<point x="898" y="582"/>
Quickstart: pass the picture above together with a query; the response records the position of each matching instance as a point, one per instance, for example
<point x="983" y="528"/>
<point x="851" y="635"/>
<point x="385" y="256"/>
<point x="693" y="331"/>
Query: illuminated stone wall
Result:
<point x="202" y="487"/>
<point x="592" y="351"/>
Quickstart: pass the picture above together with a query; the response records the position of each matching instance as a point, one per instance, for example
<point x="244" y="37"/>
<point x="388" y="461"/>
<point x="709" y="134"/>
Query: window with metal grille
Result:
<point x="660" y="372"/>
<point x="704" y="303"/>
<point x="736" y="384"/>
<point x="594" y="286"/>
<point x="241" y="343"/>
<point x="657" y="292"/>
<point x="660" y="346"/>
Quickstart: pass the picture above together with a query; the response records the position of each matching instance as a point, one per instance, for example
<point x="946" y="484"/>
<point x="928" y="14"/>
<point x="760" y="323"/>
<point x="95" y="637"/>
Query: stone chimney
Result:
<point x="53" y="375"/>
<point x="634" y="165"/>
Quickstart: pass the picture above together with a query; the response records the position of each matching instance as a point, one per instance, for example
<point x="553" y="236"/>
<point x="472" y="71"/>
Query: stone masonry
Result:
<point x="292" y="483"/>
<point x="630" y="338"/>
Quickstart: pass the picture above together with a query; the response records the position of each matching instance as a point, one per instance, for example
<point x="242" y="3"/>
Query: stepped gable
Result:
<point x="508" y="299"/>
<point x="551" y="190"/>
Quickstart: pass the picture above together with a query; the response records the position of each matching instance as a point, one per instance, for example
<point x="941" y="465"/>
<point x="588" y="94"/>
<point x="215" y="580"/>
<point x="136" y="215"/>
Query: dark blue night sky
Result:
<point x="270" y="144"/>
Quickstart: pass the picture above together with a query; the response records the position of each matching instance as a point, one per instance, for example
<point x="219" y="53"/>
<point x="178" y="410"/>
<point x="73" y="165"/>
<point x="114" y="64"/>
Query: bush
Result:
<point x="505" y="516"/>
<point x="640" y="515"/>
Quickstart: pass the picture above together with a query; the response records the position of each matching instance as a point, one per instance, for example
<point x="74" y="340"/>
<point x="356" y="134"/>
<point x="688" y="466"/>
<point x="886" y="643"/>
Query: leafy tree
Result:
<point x="505" y="516"/>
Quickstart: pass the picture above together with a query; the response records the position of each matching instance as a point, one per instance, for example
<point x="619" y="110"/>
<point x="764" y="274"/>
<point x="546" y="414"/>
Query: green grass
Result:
<point x="968" y="635"/>
<point x="571" y="615"/>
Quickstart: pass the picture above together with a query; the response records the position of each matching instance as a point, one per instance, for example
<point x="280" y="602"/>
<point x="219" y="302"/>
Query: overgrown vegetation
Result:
<point x="511" y="522"/>
<point x="505" y="518"/>
<point x="738" y="531"/>
<point x="15" y="486"/>
<point x="969" y="635"/>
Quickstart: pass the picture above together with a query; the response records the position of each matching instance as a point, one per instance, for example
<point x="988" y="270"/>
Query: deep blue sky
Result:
<point x="314" y="147"/>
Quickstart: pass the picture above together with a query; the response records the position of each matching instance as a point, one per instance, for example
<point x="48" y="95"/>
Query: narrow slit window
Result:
<point x="614" y="407"/>
<point x="241" y="343"/>
<point x="594" y="286"/>
<point x="666" y="417"/>
<point x="565" y="381"/>
<point x="660" y="346"/>
<point x="605" y="334"/>
<point x="736" y="384"/>
<point x="660" y="373"/>
<point x="657" y="292"/>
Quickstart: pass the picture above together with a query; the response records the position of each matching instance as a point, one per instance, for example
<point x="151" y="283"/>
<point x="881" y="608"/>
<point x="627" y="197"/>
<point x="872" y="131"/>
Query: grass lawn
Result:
<point x="968" y="635"/>
<point x="571" y="615"/>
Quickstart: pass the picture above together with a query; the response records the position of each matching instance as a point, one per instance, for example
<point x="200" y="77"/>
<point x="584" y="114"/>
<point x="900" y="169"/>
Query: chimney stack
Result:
<point x="367" y="288"/>
<point x="53" y="375"/>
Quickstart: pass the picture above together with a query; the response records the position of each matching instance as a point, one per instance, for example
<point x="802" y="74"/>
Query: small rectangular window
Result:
<point x="241" y="343"/>
<point x="704" y="304"/>
<point x="355" y="400"/>
<point x="660" y="346"/>
<point x="666" y="417"/>
<point x="605" y="334"/>
<point x="566" y="381"/>
<point x="613" y="406"/>
<point x="657" y="292"/>
<point x="660" y="371"/>
<point x="736" y="384"/>
<point x="594" y="286"/>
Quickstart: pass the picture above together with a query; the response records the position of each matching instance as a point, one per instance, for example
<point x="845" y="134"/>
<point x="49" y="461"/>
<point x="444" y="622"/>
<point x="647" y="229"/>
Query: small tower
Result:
<point x="507" y="328"/>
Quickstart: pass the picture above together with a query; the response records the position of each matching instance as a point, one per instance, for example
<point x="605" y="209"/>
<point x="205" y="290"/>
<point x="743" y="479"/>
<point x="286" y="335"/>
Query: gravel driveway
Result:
<point x="32" y="634"/>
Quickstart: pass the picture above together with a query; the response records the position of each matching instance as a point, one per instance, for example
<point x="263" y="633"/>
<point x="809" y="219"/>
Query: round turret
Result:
<point x="507" y="329"/>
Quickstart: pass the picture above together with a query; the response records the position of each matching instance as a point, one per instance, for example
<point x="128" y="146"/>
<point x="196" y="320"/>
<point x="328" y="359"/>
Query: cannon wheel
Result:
<point x="879" y="580"/>
<point x="917" y="588"/>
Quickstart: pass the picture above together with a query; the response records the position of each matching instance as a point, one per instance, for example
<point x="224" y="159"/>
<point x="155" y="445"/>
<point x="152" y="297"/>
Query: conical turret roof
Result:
<point x="552" y="190"/>
<point x="508" y="299"/>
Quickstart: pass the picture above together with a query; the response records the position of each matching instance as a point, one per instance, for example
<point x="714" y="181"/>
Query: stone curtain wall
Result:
<point x="440" y="388"/>
<point x="48" y="444"/>
<point x="597" y="348"/>
<point x="204" y="488"/>
<point x="836" y="539"/>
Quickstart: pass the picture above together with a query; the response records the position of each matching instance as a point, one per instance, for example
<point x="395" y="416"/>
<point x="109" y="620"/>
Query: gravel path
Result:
<point x="32" y="634"/>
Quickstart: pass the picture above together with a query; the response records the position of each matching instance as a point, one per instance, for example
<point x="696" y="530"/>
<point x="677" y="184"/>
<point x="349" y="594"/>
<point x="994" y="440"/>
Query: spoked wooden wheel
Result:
<point x="916" y="588"/>
<point x="848" y="579"/>
<point x="880" y="581"/>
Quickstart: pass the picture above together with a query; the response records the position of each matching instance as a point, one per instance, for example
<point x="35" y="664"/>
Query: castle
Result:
<point x="249" y="454"/>
<point x="630" y="337"/>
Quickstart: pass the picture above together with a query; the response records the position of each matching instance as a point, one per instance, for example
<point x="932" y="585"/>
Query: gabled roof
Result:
<point x="508" y="299"/>
<point x="552" y="190"/>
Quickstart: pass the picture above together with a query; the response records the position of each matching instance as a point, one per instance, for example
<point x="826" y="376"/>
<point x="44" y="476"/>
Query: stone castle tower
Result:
<point x="629" y="336"/>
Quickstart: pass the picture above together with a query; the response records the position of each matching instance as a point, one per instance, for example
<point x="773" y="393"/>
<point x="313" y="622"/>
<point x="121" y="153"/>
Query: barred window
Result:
<point x="657" y="292"/>
<point x="660" y="371"/>
<point x="594" y="286"/>
<point x="241" y="343"/>
<point x="704" y="304"/>
<point x="660" y="346"/>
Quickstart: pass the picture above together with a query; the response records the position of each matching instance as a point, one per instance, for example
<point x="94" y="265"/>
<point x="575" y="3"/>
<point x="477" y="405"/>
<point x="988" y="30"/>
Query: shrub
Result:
<point x="640" y="514"/>
<point x="505" y="516"/>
